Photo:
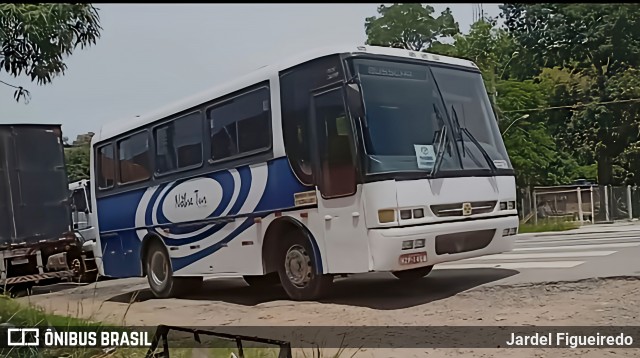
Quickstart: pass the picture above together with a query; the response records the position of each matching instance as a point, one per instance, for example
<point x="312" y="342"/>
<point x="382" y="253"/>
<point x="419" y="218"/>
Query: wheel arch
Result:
<point x="146" y="243"/>
<point x="278" y="229"/>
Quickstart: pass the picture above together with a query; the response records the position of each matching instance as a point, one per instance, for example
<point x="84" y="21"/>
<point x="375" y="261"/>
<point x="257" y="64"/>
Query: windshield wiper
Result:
<point x="441" y="143"/>
<point x="464" y="130"/>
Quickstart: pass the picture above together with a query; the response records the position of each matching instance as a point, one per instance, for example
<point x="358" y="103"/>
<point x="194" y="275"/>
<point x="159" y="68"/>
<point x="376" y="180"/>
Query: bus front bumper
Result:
<point x="397" y="249"/>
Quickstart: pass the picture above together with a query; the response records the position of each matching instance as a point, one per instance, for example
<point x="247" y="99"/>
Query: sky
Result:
<point x="152" y="55"/>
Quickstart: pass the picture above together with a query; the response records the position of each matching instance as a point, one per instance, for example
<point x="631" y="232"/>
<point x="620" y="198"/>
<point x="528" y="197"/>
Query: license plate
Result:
<point x="415" y="258"/>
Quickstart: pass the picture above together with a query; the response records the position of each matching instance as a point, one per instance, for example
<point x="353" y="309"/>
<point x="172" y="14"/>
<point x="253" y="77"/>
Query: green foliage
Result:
<point x="599" y="41"/>
<point x="531" y="147"/>
<point x="77" y="159"/>
<point x="35" y="38"/>
<point x="489" y="47"/>
<point x="409" y="26"/>
<point x="547" y="226"/>
<point x="604" y="37"/>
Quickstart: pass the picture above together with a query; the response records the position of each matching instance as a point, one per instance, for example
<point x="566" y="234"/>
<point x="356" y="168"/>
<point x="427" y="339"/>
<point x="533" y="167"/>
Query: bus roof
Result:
<point x="115" y="128"/>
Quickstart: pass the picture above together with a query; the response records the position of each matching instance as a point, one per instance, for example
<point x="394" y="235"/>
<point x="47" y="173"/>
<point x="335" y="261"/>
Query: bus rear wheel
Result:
<point x="298" y="270"/>
<point x="413" y="274"/>
<point x="160" y="276"/>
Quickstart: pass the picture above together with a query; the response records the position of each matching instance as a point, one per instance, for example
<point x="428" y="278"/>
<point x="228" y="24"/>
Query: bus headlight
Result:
<point x="386" y="216"/>
<point x="507" y="205"/>
<point x="405" y="214"/>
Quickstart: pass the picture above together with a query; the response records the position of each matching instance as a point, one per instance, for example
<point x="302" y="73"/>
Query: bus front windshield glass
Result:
<point x="405" y="119"/>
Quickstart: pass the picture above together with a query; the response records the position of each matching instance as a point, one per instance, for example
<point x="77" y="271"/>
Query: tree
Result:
<point x="531" y="147"/>
<point x="599" y="41"/>
<point x="36" y="38"/>
<point x="490" y="48"/>
<point x="77" y="159"/>
<point x="409" y="26"/>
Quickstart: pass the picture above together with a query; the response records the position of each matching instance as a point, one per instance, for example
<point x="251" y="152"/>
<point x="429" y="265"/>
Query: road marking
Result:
<point x="593" y="239"/>
<point x="578" y="247"/>
<point x="513" y="265"/>
<point x="546" y="255"/>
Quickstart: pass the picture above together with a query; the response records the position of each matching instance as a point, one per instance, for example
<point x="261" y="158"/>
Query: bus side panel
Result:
<point x="118" y="240"/>
<point x="196" y="247"/>
<point x="236" y="247"/>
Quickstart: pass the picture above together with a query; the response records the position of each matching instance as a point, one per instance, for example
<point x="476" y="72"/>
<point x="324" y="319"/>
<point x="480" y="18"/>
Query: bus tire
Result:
<point x="413" y="274"/>
<point x="262" y="281"/>
<point x="297" y="270"/>
<point x="159" y="272"/>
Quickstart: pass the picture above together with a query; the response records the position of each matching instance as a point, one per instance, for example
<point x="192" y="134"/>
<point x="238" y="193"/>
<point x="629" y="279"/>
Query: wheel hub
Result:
<point x="76" y="266"/>
<point x="298" y="266"/>
<point x="159" y="268"/>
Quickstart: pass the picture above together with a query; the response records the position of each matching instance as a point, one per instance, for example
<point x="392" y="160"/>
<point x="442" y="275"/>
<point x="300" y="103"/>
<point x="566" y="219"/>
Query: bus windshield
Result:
<point x="408" y="106"/>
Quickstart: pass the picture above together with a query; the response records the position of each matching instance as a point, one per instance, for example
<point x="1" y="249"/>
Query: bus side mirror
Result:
<point x="354" y="100"/>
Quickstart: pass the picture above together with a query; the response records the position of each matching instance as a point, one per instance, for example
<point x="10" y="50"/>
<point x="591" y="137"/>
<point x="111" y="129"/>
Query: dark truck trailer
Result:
<point x="37" y="239"/>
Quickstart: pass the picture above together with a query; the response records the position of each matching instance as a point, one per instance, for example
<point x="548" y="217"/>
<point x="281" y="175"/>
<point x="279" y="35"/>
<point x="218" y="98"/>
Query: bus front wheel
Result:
<point x="298" y="271"/>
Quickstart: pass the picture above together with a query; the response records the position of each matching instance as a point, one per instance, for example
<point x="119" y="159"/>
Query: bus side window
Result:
<point x="179" y="143"/>
<point x="105" y="166"/>
<point x="133" y="155"/>
<point x="240" y="125"/>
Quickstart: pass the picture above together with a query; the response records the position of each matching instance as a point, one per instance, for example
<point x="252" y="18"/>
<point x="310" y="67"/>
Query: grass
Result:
<point x="548" y="225"/>
<point x="17" y="314"/>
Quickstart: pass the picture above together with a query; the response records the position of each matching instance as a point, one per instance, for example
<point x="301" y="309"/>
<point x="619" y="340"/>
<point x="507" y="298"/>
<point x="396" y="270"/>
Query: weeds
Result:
<point x="548" y="225"/>
<point x="14" y="313"/>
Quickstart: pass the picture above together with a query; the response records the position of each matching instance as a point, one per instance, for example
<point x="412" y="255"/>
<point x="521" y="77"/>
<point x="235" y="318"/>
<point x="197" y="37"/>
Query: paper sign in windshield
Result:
<point x="425" y="155"/>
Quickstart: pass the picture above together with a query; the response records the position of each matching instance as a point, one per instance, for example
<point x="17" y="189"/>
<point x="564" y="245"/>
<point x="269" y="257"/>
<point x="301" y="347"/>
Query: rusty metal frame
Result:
<point x="162" y="331"/>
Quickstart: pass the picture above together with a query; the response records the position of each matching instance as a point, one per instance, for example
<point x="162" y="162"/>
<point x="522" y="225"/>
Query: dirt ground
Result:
<point x="590" y="302"/>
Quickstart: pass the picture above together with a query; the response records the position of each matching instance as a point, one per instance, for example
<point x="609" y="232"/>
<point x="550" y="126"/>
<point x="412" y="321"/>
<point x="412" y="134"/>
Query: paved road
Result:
<point x="560" y="257"/>
<point x="588" y="252"/>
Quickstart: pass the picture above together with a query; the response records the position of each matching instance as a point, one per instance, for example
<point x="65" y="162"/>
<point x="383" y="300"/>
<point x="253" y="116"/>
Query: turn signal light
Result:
<point x="386" y="216"/>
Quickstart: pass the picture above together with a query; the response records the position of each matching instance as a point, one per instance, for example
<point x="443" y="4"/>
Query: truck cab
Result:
<point x="81" y="211"/>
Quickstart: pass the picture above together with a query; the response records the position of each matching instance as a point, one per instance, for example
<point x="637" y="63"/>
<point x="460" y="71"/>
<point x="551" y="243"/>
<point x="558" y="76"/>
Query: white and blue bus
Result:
<point x="340" y="161"/>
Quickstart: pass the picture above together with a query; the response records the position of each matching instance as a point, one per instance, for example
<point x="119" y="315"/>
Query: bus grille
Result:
<point x="477" y="207"/>
<point x="463" y="241"/>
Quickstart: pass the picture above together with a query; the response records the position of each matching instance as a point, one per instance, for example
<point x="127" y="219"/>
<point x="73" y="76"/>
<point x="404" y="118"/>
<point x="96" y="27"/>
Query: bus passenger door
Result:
<point x="339" y="200"/>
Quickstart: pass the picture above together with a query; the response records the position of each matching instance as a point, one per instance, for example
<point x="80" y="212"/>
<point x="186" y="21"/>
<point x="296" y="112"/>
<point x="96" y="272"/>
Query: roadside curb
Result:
<point x="557" y="233"/>
<point x="574" y="233"/>
<point x="560" y="283"/>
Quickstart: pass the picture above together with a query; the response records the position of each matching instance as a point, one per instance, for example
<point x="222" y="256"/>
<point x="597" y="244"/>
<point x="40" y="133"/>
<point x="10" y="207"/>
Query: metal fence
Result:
<point x="585" y="204"/>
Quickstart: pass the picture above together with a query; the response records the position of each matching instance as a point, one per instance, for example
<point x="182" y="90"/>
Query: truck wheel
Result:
<point x="262" y="281"/>
<point x="413" y="274"/>
<point x="297" y="270"/>
<point x="159" y="273"/>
